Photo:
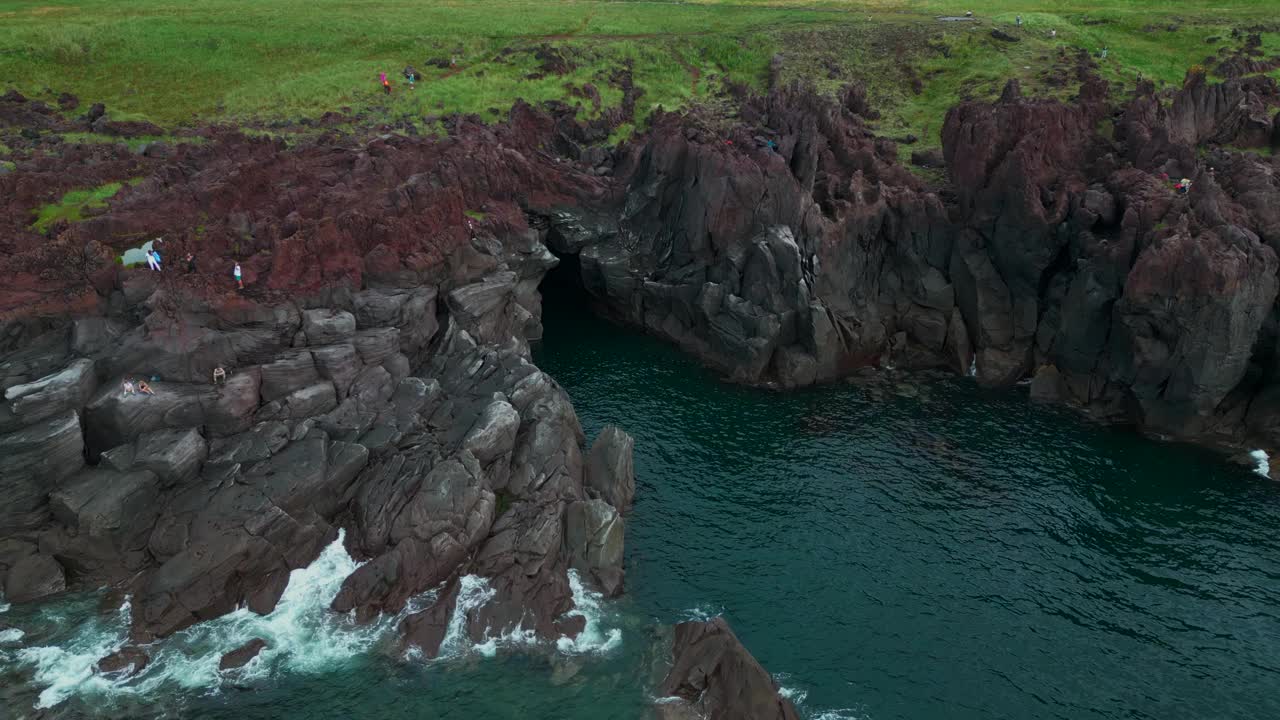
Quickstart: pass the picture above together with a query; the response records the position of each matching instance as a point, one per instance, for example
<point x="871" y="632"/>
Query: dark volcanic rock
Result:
<point x="129" y="660"/>
<point x="34" y="577"/>
<point x="378" y="375"/>
<point x="1188" y="321"/>
<point x="242" y="655"/>
<point x="931" y="158"/>
<point x="32" y="462"/>
<point x="718" y="678"/>
<point x="778" y="276"/>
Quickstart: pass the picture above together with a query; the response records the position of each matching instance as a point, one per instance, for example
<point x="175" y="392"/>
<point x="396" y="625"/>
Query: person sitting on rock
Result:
<point x="219" y="376"/>
<point x="153" y="261"/>
<point x="144" y="388"/>
<point x="191" y="263"/>
<point x="1184" y="186"/>
<point x="128" y="386"/>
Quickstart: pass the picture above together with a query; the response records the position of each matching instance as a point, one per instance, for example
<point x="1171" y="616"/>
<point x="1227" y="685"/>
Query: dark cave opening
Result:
<point x="562" y="286"/>
<point x="566" y="304"/>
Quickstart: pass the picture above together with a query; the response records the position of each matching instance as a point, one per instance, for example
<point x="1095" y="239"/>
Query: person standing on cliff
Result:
<point x="386" y="84"/>
<point x="191" y="263"/>
<point x="239" y="279"/>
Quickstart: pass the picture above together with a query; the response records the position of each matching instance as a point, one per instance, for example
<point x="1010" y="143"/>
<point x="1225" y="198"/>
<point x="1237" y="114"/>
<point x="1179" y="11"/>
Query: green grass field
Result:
<point x="253" y="61"/>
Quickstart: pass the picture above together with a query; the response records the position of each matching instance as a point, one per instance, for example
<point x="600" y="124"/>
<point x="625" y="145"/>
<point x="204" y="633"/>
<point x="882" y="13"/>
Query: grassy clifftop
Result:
<point x="258" y="60"/>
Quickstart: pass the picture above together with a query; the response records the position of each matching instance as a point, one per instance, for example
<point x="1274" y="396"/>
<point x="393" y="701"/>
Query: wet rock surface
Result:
<point x="242" y="655"/>
<point x="715" y="677"/>
<point x="129" y="660"/>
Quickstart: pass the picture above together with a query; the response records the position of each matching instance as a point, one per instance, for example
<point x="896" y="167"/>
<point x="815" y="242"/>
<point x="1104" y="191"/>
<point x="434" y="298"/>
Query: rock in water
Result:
<point x="242" y="655"/>
<point x="129" y="660"/>
<point x="610" y="468"/>
<point x="594" y="534"/>
<point x="716" y="676"/>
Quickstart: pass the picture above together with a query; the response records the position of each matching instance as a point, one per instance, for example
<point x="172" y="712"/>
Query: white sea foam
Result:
<point x="594" y="638"/>
<point x="11" y="636"/>
<point x="796" y="696"/>
<point x="302" y="636"/>
<point x="70" y="668"/>
<point x="1261" y="462"/>
<point x="701" y="613"/>
<point x="973" y="366"/>
<point x="473" y="593"/>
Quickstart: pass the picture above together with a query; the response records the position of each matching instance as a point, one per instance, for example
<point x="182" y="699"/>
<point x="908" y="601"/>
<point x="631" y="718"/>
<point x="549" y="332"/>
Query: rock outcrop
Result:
<point x="610" y="472"/>
<point x="713" y="675"/>
<point x="396" y="412"/>
<point x="242" y="655"/>
<point x="128" y="660"/>
<point x="789" y="263"/>
<point x="1061" y="242"/>
<point x="377" y="364"/>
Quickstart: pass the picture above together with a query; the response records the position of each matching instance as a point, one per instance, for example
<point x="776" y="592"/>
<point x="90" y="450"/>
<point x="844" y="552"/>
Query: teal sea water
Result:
<point x="893" y="549"/>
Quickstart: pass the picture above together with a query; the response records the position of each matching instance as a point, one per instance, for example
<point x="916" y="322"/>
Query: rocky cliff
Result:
<point x="377" y="380"/>
<point x="377" y="364"/>
<point x="793" y="248"/>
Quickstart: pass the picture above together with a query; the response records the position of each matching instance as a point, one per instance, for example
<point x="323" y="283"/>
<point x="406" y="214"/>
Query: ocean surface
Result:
<point x="894" y="548"/>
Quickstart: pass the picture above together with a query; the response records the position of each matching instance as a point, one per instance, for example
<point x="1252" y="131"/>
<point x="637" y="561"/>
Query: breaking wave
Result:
<point x="595" y="637"/>
<point x="1261" y="462"/>
<point x="302" y="635"/>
